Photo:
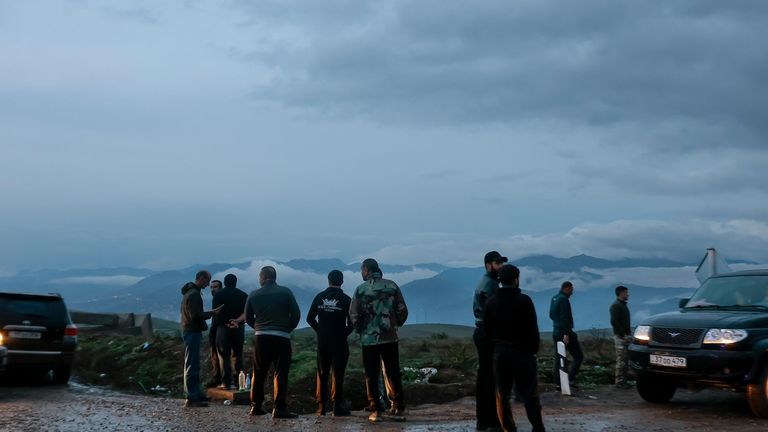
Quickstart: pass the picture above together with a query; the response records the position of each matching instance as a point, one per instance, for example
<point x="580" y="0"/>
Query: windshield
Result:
<point x="732" y="291"/>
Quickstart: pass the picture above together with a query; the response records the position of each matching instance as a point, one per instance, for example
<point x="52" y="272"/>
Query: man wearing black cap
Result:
<point x="484" y="391"/>
<point x="331" y="308"/>
<point x="510" y="321"/>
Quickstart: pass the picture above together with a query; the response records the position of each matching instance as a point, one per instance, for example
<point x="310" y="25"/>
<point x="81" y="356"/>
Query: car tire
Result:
<point x="757" y="395"/>
<point x="61" y="374"/>
<point x="655" y="389"/>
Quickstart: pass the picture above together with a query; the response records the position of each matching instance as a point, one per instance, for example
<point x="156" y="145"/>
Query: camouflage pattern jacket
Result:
<point x="377" y="309"/>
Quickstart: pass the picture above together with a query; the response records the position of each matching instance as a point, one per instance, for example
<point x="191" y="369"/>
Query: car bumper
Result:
<point x="710" y="367"/>
<point x="32" y="359"/>
<point x="3" y="359"/>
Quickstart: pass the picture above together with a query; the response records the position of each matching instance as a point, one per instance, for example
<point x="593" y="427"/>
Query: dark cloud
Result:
<point x="594" y="62"/>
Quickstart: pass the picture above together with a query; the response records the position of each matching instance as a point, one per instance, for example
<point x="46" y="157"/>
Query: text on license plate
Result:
<point x="23" y="335"/>
<point x="669" y="361"/>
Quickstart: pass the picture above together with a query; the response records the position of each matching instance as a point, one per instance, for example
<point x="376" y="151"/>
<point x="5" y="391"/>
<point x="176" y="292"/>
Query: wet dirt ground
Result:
<point x="80" y="408"/>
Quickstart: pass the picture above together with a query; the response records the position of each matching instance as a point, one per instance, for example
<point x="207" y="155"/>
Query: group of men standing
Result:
<point x="507" y="339"/>
<point x="506" y="336"/>
<point x="375" y="311"/>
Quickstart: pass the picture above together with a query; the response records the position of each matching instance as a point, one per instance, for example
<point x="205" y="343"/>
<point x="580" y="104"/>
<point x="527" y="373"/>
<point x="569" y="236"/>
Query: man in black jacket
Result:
<point x="229" y="339"/>
<point x="192" y="326"/>
<point x="273" y="313"/>
<point x="622" y="334"/>
<point x="331" y="308"/>
<point x="562" y="330"/>
<point x="510" y="321"/>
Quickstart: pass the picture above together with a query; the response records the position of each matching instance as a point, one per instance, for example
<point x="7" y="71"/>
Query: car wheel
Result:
<point x="61" y="374"/>
<point x="655" y="389"/>
<point x="757" y="395"/>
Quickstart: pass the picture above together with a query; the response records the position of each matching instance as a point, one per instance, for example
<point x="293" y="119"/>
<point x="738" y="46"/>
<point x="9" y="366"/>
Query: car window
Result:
<point x="745" y="290"/>
<point x="41" y="310"/>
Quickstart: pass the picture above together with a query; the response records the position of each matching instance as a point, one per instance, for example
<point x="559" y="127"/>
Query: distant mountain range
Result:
<point x="434" y="293"/>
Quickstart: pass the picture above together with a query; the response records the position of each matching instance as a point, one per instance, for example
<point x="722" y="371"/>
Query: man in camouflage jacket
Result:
<point x="376" y="311"/>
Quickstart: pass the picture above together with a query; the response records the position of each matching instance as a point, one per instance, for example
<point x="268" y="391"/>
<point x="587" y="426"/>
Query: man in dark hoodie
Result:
<point x="485" y="406"/>
<point x="192" y="326"/>
<point x="273" y="313"/>
<point x="229" y="339"/>
<point x="510" y="321"/>
<point x="331" y="308"/>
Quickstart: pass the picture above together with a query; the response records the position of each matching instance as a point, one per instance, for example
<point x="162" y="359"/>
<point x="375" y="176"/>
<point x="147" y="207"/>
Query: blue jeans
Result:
<point x="192" y="364"/>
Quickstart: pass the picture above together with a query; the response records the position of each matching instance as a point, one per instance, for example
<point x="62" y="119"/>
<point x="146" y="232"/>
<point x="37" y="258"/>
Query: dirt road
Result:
<point x="80" y="408"/>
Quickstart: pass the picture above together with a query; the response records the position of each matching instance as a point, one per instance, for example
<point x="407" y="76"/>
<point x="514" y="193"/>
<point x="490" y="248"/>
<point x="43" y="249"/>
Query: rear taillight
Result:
<point x="71" y="330"/>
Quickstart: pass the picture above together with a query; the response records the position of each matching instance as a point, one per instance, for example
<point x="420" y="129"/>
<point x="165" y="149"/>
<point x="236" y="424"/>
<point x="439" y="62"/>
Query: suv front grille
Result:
<point x="676" y="336"/>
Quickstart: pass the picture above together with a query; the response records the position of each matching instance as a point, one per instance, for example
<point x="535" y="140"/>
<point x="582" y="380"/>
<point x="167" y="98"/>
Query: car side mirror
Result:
<point x="683" y="302"/>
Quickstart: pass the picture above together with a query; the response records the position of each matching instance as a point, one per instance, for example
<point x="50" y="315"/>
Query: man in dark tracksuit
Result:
<point x="510" y="321"/>
<point x="331" y="308"/>
<point x="485" y="410"/>
<point x="622" y="334"/>
<point x="562" y="330"/>
<point x="215" y="366"/>
<point x="192" y="326"/>
<point x="273" y="313"/>
<point x="229" y="339"/>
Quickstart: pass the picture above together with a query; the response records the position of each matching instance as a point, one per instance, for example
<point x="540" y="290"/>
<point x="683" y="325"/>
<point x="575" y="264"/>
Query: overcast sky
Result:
<point x="162" y="134"/>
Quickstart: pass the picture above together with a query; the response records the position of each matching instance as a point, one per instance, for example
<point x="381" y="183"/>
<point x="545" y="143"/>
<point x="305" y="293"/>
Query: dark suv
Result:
<point x="38" y="333"/>
<point x="718" y="338"/>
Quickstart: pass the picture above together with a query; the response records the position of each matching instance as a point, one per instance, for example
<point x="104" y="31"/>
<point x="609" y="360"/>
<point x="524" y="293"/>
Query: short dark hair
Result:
<point x="269" y="273"/>
<point x="215" y="281"/>
<point x="508" y="274"/>
<point x="230" y="280"/>
<point x="371" y="265"/>
<point x="566" y="284"/>
<point x="335" y="278"/>
<point x="620" y="289"/>
<point x="203" y="274"/>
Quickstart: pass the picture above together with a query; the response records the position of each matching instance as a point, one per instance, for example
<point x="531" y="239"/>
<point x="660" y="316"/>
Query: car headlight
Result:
<point x="643" y="333"/>
<point x="724" y="336"/>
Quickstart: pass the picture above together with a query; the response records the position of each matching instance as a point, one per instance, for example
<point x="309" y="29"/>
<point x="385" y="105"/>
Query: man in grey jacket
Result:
<point x="192" y="326"/>
<point x="485" y="396"/>
<point x="273" y="313"/>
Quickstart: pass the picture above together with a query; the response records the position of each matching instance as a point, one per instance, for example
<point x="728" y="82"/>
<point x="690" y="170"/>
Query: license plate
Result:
<point x="23" y="335"/>
<point x="668" y="361"/>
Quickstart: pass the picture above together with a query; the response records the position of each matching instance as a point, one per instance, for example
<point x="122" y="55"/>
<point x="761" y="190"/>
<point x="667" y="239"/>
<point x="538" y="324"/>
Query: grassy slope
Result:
<point x="123" y="362"/>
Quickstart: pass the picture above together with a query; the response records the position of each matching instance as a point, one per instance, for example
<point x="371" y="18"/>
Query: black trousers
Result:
<point x="485" y="394"/>
<point x="331" y="357"/>
<point x="271" y="350"/>
<point x="574" y="348"/>
<point x="229" y="346"/>
<point x="512" y="368"/>
<point x="373" y="357"/>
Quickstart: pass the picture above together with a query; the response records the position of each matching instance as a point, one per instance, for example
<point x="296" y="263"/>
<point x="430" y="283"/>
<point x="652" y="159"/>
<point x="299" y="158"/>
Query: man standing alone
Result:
<point x="510" y="320"/>
<point x="331" y="308"/>
<point x="192" y="326"/>
<point x="485" y="410"/>
<point x="376" y="311"/>
<point x="273" y="313"/>
<point x="622" y="334"/>
<point x="229" y="340"/>
<point x="562" y="330"/>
